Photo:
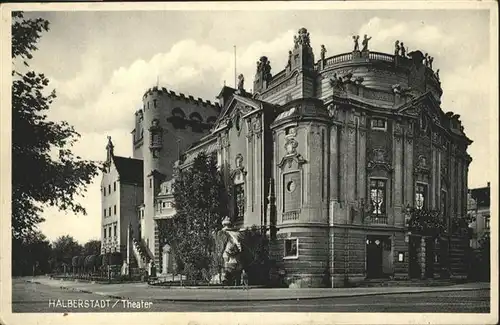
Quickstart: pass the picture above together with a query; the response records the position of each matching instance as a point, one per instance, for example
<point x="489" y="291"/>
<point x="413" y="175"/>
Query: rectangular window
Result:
<point x="114" y="186"/>
<point x="104" y="191"/>
<point x="150" y="183"/>
<point x="377" y="196"/>
<point x="239" y="194"/>
<point x="104" y="212"/>
<point x="154" y="102"/>
<point x="114" y="230"/>
<point x="291" y="247"/>
<point x="109" y="231"/>
<point x="109" y="188"/>
<point x="109" y="211"/>
<point x="292" y="189"/>
<point x="114" y="210"/>
<point x="379" y="124"/>
<point x="105" y="232"/>
<point x="421" y="196"/>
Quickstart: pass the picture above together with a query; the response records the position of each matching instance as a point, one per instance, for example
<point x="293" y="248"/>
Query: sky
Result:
<point x="101" y="63"/>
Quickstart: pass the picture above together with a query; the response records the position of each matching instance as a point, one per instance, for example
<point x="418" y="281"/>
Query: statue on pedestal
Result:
<point x="365" y="43"/>
<point x="403" y="50"/>
<point x="356" y="43"/>
<point x="303" y="38"/>
<point x="431" y="59"/>
<point x="241" y="81"/>
<point x="426" y="59"/>
<point x="397" y="48"/>
<point x="323" y="52"/>
<point x="289" y="63"/>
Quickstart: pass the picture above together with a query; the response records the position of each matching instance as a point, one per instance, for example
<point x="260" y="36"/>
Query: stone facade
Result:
<point x="326" y="154"/>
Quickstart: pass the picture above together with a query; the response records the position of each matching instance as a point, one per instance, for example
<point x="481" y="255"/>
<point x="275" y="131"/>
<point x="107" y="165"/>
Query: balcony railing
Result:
<point x="376" y="220"/>
<point x="381" y="56"/>
<point x="338" y="58"/>
<point x="290" y="215"/>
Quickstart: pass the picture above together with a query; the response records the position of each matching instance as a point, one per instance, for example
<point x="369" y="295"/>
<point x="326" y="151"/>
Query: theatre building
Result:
<point x="327" y="155"/>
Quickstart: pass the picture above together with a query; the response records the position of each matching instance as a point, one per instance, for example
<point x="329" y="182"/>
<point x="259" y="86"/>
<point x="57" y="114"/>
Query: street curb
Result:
<point x="364" y="294"/>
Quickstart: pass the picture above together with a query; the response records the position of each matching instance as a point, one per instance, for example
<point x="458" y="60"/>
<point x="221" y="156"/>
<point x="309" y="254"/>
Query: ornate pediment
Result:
<point x="238" y="105"/>
<point x="422" y="165"/>
<point x="423" y="103"/>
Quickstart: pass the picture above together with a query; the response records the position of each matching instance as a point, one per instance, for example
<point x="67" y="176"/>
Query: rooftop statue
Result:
<point x="241" y="81"/>
<point x="437" y="75"/>
<point x="426" y="59"/>
<point x="403" y="50"/>
<point x="323" y="52"/>
<point x="431" y="59"/>
<point x="304" y="38"/>
<point x="356" y="42"/>
<point x="365" y="43"/>
<point x="289" y="63"/>
<point x="397" y="48"/>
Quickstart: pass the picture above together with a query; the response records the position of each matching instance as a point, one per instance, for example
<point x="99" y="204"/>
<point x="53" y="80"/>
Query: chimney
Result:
<point x="488" y="184"/>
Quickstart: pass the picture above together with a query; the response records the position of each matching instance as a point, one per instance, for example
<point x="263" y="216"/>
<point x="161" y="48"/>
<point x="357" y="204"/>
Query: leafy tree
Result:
<point x="64" y="249"/>
<point x="201" y="203"/>
<point x="220" y="241"/>
<point x="39" y="179"/>
<point x="35" y="253"/>
<point x="254" y="255"/>
<point x="92" y="247"/>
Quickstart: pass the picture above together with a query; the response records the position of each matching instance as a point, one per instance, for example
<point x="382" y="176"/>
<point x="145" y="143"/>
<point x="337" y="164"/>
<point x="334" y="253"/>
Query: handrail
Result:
<point x="381" y="56"/>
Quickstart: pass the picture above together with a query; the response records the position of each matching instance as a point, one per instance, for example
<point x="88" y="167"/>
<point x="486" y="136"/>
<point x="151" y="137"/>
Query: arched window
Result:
<point x="195" y="117"/>
<point x="178" y="112"/>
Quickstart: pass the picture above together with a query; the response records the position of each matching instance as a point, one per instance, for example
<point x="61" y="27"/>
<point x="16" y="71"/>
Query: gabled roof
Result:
<point x="481" y="195"/>
<point x="129" y="169"/>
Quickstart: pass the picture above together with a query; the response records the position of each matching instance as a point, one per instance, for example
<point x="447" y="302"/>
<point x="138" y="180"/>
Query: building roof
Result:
<point x="482" y="196"/>
<point x="129" y="169"/>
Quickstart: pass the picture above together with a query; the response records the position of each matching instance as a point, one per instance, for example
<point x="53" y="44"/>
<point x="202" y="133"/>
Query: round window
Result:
<point x="290" y="186"/>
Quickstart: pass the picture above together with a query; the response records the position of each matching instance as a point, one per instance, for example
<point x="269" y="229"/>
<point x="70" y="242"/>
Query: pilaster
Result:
<point x="408" y="172"/>
<point x="398" y="174"/>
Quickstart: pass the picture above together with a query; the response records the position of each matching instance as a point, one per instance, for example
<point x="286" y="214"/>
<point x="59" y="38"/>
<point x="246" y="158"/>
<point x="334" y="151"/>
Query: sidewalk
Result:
<point x="141" y="291"/>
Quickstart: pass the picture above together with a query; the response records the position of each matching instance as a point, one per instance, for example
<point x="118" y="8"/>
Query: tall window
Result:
<point x="104" y="212"/>
<point x="239" y="194"/>
<point x="377" y="196"/>
<point x="421" y="196"/>
<point x="109" y="211"/>
<point x="292" y="247"/>
<point x="114" y="209"/>
<point x="104" y="190"/>
<point x="114" y="186"/>
<point x="114" y="230"/>
<point x="109" y="188"/>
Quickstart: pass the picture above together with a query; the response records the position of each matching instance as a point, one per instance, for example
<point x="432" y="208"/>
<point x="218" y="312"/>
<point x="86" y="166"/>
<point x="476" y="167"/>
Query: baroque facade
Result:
<point x="326" y="155"/>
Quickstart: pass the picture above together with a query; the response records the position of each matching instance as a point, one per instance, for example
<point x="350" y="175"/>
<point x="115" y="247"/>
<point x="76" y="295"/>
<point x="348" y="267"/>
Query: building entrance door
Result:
<point x="374" y="261"/>
<point x="414" y="263"/>
<point x="429" y="258"/>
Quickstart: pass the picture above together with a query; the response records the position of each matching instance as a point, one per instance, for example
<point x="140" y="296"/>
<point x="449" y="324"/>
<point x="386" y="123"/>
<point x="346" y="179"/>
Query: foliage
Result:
<point x="64" y="249"/>
<point x="220" y="240"/>
<point x="35" y="251"/>
<point x="254" y="256"/>
<point x="201" y="204"/>
<point x="92" y="247"/>
<point x="426" y="222"/>
<point x="461" y="224"/>
<point x="37" y="178"/>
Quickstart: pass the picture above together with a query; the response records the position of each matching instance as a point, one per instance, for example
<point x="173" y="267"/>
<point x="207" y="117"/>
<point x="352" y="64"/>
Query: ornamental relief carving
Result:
<point x="257" y="126"/>
<point x="379" y="159"/>
<point x="291" y="154"/>
<point x="224" y="140"/>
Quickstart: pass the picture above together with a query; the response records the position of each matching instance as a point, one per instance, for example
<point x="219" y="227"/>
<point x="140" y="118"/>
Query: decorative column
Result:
<point x="408" y="173"/>
<point x="361" y="172"/>
<point x="351" y="161"/>
<point x="250" y="166"/>
<point x="434" y="171"/>
<point x="334" y="171"/>
<point x="398" y="175"/>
